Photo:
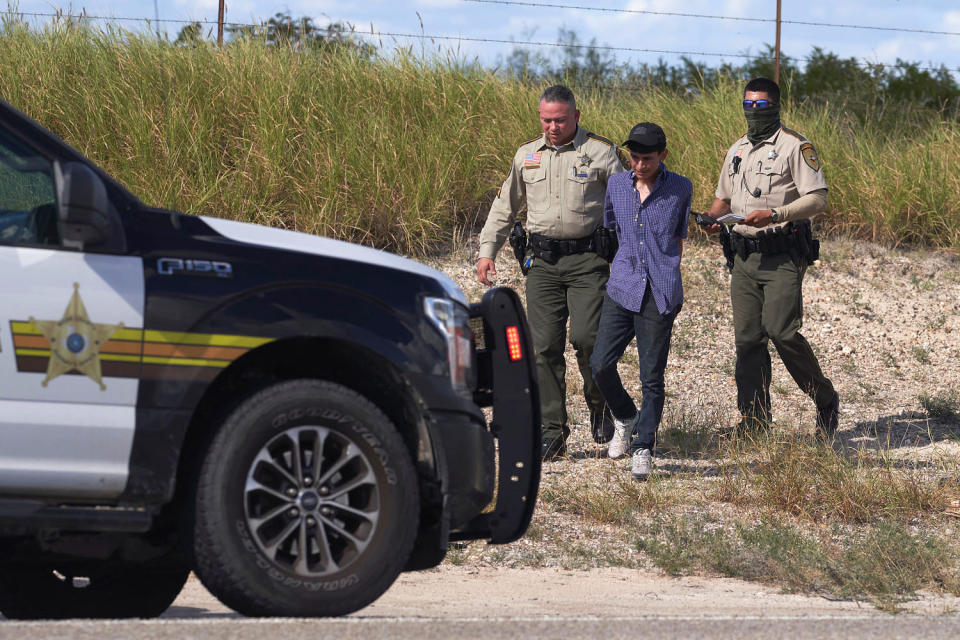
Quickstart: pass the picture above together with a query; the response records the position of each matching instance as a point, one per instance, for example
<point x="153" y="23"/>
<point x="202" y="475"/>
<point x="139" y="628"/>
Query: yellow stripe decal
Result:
<point x="45" y="353"/>
<point x="210" y="339"/>
<point x="34" y="352"/>
<point x="27" y="329"/>
<point x="165" y="337"/>
<point x="187" y="362"/>
<point x="128" y="334"/>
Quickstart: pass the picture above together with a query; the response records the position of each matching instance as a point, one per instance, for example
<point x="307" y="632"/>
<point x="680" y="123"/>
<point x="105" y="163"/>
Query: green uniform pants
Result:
<point x="768" y="304"/>
<point x="574" y="288"/>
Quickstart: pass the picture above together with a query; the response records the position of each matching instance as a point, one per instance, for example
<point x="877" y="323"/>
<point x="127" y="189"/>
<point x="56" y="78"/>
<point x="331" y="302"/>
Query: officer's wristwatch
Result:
<point x="774" y="215"/>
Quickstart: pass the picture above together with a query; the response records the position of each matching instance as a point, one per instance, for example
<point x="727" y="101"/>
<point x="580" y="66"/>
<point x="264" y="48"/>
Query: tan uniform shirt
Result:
<point x="775" y="172"/>
<point x="561" y="189"/>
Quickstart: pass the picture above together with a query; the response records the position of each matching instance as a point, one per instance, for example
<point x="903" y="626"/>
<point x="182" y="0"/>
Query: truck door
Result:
<point x="70" y="343"/>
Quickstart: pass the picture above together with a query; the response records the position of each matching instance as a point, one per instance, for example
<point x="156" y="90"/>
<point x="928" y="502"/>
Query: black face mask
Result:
<point x="762" y="123"/>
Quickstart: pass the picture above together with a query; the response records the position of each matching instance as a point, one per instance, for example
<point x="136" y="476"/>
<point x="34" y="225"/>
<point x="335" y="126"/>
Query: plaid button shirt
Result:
<point x="649" y="234"/>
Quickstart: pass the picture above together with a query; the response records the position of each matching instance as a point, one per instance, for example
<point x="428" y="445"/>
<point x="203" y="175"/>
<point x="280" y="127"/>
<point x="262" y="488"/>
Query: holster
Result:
<point x="727" y="245"/>
<point x="605" y="243"/>
<point x="518" y="241"/>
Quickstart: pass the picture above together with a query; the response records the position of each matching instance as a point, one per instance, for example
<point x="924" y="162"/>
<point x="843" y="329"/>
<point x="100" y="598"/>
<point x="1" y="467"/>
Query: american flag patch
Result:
<point x="531" y="160"/>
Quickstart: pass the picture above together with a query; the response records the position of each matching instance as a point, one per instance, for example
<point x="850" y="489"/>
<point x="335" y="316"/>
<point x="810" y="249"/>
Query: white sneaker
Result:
<point x="642" y="461"/>
<point x="622" y="432"/>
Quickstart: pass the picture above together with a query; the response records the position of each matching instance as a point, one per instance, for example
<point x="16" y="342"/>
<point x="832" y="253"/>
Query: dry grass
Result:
<point x="398" y="153"/>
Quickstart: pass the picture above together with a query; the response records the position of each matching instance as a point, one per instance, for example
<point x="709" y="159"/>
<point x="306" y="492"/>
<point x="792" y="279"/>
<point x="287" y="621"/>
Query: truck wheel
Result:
<point x="306" y="504"/>
<point x="90" y="589"/>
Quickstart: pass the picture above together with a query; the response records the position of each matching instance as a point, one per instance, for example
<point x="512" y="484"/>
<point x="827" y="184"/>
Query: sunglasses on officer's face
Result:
<point x="758" y="104"/>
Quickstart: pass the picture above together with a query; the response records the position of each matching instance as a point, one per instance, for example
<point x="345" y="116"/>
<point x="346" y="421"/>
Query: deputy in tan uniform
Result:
<point x="559" y="179"/>
<point x="772" y="178"/>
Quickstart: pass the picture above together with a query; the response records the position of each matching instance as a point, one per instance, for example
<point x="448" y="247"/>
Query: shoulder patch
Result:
<point x="810" y="156"/>
<point x="594" y="136"/>
<point x="624" y="157"/>
<point x="795" y="134"/>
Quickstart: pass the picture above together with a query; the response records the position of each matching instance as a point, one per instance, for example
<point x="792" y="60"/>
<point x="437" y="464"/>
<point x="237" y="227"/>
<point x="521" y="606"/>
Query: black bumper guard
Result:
<point x="510" y="387"/>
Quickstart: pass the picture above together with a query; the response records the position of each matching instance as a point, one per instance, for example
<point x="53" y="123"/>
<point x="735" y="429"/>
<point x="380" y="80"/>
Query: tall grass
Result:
<point x="397" y="153"/>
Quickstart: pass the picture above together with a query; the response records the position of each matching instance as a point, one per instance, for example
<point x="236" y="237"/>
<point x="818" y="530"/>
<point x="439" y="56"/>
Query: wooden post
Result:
<point x="220" y="24"/>
<point x="776" y="63"/>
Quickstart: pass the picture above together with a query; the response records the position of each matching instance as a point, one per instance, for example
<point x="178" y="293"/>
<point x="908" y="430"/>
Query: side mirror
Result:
<point x="83" y="208"/>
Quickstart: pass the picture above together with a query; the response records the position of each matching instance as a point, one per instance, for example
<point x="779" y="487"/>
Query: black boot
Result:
<point x="828" y="418"/>
<point x="601" y="426"/>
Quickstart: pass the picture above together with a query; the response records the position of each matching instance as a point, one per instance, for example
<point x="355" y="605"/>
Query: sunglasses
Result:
<point x="759" y="104"/>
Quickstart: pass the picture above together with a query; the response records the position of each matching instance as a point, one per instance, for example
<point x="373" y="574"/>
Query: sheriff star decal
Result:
<point x="75" y="341"/>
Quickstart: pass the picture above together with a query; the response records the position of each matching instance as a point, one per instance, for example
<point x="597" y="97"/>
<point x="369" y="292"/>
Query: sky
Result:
<point x="640" y="37"/>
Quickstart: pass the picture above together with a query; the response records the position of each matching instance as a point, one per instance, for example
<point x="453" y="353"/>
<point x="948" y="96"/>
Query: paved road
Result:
<point x="839" y="627"/>
<point x="460" y="602"/>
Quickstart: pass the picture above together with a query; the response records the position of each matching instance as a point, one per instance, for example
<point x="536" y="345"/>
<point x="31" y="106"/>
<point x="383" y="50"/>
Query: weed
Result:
<point x="922" y="283"/>
<point x="602" y="503"/>
<point x="811" y="482"/>
<point x="889" y="360"/>
<point x="885" y="565"/>
<point x="689" y="430"/>
<point x="944" y="405"/>
<point x="889" y="564"/>
<point x="921" y="354"/>
<point x="684" y="544"/>
<point x="938" y="322"/>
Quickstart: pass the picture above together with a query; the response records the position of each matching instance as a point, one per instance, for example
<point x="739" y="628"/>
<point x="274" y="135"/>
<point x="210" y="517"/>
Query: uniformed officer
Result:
<point x="560" y="179"/>
<point x="773" y="178"/>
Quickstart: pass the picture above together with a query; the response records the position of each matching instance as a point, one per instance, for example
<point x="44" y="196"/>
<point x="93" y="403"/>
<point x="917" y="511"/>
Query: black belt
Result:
<point x="744" y="245"/>
<point x="552" y="249"/>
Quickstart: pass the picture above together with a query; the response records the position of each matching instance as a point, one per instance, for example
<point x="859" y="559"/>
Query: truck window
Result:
<point x="28" y="211"/>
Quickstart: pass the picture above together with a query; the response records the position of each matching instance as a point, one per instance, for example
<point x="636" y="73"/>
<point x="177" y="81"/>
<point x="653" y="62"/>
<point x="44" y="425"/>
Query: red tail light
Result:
<point x="513" y="343"/>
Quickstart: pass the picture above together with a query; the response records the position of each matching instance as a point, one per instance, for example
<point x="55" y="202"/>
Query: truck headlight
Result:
<point x="453" y="321"/>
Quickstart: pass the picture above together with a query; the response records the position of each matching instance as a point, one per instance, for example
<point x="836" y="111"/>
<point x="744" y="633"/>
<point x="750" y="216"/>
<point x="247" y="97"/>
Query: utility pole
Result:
<point x="221" y="10"/>
<point x="776" y="63"/>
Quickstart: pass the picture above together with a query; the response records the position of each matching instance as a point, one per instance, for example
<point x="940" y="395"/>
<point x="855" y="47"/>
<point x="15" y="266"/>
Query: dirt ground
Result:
<point x="451" y="592"/>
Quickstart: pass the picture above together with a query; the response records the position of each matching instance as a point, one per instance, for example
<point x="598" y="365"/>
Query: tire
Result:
<point x="90" y="589"/>
<point x="304" y="464"/>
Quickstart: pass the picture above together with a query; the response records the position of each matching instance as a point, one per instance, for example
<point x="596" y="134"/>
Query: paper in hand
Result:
<point x="730" y="218"/>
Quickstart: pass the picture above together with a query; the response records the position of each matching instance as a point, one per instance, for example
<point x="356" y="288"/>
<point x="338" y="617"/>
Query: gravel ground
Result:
<point x="884" y="323"/>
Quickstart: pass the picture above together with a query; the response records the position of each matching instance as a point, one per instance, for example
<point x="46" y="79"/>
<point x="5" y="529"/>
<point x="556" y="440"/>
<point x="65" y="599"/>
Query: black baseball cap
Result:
<point x="646" y="137"/>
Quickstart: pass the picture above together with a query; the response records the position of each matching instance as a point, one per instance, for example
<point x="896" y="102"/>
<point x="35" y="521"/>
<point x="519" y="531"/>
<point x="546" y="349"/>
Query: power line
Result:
<point x="711" y="16"/>
<point x="421" y="36"/>
<point x="630" y="49"/>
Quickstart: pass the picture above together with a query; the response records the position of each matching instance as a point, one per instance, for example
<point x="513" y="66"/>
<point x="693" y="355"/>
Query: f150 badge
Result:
<point x="171" y="266"/>
<point x="75" y="341"/>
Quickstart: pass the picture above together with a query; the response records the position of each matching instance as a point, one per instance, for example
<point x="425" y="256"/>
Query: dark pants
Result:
<point x="767" y="298"/>
<point x="570" y="289"/>
<point x="652" y="330"/>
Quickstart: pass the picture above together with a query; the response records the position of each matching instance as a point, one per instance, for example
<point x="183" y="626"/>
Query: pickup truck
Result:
<point x="293" y="418"/>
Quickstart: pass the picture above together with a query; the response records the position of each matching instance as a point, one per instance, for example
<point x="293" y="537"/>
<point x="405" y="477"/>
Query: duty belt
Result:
<point x="794" y="238"/>
<point x="552" y="249"/>
<point x="745" y="245"/>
